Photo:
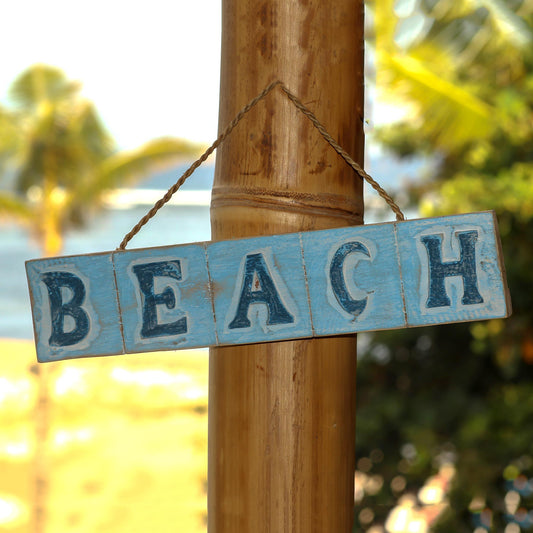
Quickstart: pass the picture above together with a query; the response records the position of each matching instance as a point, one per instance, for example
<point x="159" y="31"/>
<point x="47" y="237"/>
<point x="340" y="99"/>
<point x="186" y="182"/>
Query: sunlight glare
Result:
<point x="187" y="388"/>
<point x="71" y="380"/>
<point x="12" y="511"/>
<point x="64" y="437"/>
<point x="17" y="449"/>
<point x="16" y="388"/>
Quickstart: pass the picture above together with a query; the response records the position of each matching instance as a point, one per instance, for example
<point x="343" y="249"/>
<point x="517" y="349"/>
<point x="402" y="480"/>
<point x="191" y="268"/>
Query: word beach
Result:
<point x="330" y="282"/>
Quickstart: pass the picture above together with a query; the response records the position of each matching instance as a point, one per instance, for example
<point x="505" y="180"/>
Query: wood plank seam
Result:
<point x="402" y="289"/>
<point x="121" y="325"/>
<point x="306" y="284"/>
<point x="211" y="290"/>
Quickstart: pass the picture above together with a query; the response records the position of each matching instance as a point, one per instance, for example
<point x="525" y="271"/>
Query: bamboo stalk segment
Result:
<point x="282" y="415"/>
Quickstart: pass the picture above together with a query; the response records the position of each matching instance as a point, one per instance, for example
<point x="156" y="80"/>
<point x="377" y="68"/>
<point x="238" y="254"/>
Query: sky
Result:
<point x="152" y="68"/>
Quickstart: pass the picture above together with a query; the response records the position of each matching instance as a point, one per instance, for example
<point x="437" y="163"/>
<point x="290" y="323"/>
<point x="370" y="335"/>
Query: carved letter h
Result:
<point x="465" y="267"/>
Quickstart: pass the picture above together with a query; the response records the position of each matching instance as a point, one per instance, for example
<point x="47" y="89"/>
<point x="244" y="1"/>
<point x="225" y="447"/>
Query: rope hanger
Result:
<point x="316" y="123"/>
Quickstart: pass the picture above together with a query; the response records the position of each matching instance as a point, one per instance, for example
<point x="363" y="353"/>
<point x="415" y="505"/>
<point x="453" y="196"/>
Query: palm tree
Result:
<point x="57" y="159"/>
<point x="435" y="60"/>
<point x="464" y="68"/>
<point x="56" y="162"/>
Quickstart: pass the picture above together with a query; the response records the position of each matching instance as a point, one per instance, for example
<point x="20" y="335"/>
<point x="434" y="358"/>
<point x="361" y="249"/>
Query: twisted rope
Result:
<point x="316" y="123"/>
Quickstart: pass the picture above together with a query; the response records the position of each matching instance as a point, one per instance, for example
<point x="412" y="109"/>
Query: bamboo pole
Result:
<point x="282" y="415"/>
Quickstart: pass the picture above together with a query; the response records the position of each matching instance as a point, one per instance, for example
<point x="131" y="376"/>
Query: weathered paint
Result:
<point x="432" y="249"/>
<point x="91" y="299"/>
<point x="339" y="281"/>
<point x="354" y="279"/>
<point x="164" y="298"/>
<point x="259" y="289"/>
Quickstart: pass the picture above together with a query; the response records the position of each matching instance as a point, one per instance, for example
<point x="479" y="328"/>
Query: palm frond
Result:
<point x="41" y="83"/>
<point x="442" y="77"/>
<point x="66" y="143"/>
<point x="129" y="167"/>
<point x="385" y="22"/>
<point x="90" y="129"/>
<point x="457" y="25"/>
<point x="11" y="137"/>
<point x="125" y="168"/>
<point x="13" y="207"/>
<point x="452" y="113"/>
<point x="509" y="23"/>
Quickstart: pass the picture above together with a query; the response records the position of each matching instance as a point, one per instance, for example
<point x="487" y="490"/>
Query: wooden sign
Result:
<point x="331" y="282"/>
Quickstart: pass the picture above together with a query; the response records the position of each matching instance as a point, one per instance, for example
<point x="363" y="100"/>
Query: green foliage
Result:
<point x="11" y="207"/>
<point x="460" y="393"/>
<point x="58" y="158"/>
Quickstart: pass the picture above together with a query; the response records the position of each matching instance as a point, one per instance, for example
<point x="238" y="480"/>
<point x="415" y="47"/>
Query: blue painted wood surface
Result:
<point x="164" y="298"/>
<point x="354" y="279"/>
<point x="259" y="289"/>
<point x="311" y="284"/>
<point x="72" y="330"/>
<point x="436" y="256"/>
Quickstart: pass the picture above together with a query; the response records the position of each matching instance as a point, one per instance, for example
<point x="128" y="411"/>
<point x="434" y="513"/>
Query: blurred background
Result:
<point x="103" y="107"/>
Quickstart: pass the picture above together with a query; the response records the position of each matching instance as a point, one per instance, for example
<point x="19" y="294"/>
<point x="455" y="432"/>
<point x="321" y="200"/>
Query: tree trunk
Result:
<point x="282" y="415"/>
<point x="41" y="458"/>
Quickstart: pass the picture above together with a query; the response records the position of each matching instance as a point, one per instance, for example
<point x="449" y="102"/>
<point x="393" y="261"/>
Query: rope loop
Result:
<point x="229" y="128"/>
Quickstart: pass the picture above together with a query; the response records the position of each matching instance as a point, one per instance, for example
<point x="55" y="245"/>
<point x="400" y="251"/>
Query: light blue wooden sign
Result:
<point x="332" y="282"/>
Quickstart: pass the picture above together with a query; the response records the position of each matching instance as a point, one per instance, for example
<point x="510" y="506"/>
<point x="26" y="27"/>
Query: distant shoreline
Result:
<point x="127" y="198"/>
